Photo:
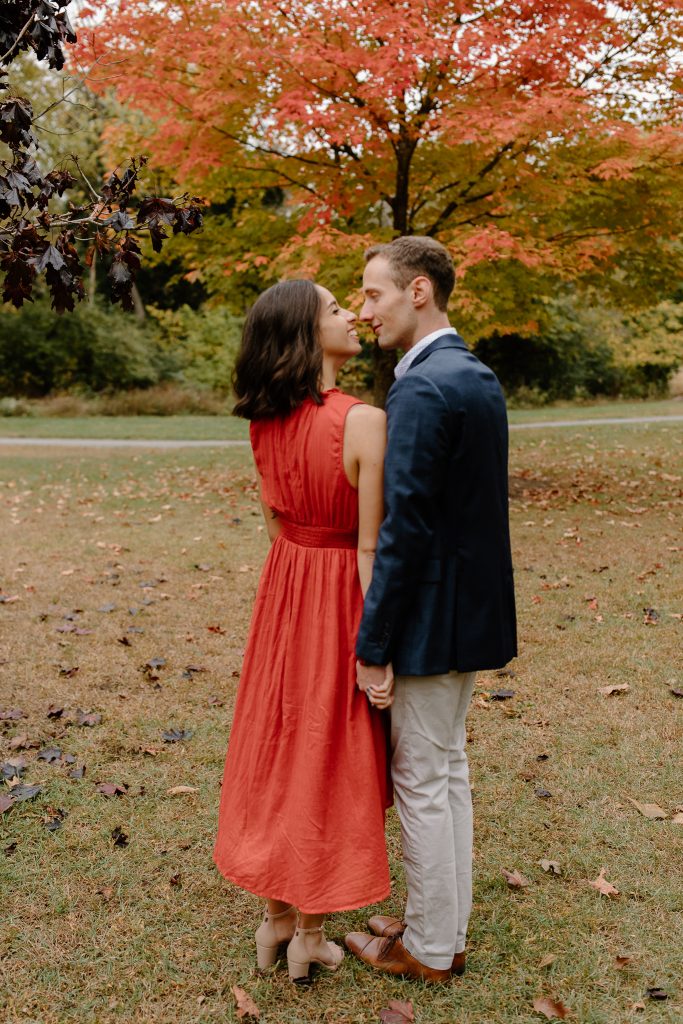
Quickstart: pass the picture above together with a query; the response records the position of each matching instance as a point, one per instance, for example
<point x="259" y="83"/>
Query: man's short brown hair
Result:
<point x="412" y="256"/>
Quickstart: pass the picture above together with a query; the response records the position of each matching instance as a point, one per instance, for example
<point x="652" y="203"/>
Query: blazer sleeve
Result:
<point x="418" y="448"/>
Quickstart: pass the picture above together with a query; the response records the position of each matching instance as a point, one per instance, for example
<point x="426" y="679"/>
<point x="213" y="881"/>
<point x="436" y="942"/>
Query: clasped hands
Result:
<point x="378" y="682"/>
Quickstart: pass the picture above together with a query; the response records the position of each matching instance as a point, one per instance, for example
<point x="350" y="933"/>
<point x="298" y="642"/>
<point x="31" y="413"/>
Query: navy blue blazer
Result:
<point x="442" y="594"/>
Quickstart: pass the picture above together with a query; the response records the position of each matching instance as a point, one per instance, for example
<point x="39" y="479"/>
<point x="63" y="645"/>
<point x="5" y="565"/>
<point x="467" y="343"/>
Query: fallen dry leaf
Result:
<point x="652" y="811"/>
<point x="11" y="714"/>
<point x="514" y="879"/>
<point x="396" y="1012"/>
<point x="111" y="788"/>
<point x="246" y="1007"/>
<point x="622" y="960"/>
<point x="604" y="887"/>
<point x="553" y="1009"/>
<point x="677" y="818"/>
<point x="551" y="866"/>
<point x="656" y="993"/>
<point x="607" y="691"/>
<point x="6" y="802"/>
<point x="180" y="790"/>
<point x="547" y="960"/>
<point x="637" y="1006"/>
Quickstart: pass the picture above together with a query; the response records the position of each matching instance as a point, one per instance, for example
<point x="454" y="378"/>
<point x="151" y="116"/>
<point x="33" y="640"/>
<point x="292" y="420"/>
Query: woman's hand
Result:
<point x="378" y="682"/>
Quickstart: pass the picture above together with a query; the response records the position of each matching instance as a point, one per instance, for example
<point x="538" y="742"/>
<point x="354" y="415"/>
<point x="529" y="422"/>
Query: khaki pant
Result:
<point x="432" y="796"/>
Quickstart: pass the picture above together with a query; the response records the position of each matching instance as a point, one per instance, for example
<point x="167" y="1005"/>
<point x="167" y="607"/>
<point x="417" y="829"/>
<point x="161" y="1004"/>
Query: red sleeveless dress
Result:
<point x="305" y="785"/>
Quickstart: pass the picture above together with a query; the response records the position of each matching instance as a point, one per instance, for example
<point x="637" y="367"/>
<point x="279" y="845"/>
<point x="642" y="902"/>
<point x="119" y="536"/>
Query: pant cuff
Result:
<point x="438" y="963"/>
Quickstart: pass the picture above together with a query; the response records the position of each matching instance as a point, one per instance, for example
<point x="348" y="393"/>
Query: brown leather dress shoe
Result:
<point x="388" y="926"/>
<point x="459" y="963"/>
<point x="391" y="956"/>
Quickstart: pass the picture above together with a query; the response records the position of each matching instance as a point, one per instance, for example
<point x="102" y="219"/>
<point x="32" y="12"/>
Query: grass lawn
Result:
<point x="171" y="428"/>
<point x="228" y="428"/>
<point x="110" y="560"/>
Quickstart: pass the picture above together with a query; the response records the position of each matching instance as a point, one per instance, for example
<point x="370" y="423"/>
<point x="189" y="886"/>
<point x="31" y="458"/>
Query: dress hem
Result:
<point x="366" y="902"/>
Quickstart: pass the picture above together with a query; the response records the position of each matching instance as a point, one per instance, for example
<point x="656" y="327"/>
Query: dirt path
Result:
<point x="87" y="442"/>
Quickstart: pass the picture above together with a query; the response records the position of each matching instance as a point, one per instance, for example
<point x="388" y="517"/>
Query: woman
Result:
<point x="305" y="786"/>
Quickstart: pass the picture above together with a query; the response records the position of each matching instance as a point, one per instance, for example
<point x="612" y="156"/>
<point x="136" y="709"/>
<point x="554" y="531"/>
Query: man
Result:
<point x="441" y="603"/>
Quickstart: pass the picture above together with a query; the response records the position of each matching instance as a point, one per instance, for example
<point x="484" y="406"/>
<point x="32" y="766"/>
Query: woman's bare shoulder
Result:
<point x="366" y="432"/>
<point x="367" y="416"/>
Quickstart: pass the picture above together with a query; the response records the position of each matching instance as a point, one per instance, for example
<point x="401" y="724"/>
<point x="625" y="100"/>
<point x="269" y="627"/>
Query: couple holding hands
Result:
<point x="388" y="585"/>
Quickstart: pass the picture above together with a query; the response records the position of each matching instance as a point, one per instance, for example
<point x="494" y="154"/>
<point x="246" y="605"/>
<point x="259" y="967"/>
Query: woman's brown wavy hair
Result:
<point x="280" y="359"/>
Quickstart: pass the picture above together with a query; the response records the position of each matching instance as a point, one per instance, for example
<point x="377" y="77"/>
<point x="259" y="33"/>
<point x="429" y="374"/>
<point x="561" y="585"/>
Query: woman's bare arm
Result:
<point x="364" y="445"/>
<point x="269" y="514"/>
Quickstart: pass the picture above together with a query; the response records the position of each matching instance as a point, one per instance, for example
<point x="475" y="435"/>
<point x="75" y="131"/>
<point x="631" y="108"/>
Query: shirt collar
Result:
<point x="404" y="364"/>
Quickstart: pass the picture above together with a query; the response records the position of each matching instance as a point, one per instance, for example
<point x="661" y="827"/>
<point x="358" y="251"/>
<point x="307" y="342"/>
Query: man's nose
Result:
<point x="366" y="312"/>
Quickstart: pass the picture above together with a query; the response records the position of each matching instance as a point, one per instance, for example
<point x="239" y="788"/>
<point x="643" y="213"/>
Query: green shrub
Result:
<point x="94" y="348"/>
<point x="582" y="352"/>
<point x="201" y="343"/>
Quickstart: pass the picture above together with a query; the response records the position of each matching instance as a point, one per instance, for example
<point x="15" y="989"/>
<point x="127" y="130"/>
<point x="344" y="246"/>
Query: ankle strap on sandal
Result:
<point x="283" y="913"/>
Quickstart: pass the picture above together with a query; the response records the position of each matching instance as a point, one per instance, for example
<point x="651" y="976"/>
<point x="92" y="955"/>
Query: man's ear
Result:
<point x="422" y="292"/>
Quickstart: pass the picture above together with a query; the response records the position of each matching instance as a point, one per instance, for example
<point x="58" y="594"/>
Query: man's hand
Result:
<point x="378" y="682"/>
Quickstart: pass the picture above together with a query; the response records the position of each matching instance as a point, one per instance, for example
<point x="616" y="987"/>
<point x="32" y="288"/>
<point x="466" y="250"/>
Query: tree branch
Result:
<point x="19" y="38"/>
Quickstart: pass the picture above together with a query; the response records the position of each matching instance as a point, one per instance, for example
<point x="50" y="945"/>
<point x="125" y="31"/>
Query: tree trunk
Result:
<point x="138" y="304"/>
<point x="92" y="279"/>
<point x="383" y="363"/>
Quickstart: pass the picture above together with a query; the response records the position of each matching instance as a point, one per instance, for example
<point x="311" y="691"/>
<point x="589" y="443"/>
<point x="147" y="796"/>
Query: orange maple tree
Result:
<point x="543" y="132"/>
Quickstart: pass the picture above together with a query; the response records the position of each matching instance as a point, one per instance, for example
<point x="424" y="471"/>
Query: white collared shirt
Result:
<point x="404" y="364"/>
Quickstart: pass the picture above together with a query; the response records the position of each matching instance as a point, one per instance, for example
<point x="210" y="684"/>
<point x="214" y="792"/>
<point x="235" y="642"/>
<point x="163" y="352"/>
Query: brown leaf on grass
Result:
<point x="6" y="802"/>
<point x="607" y="691"/>
<point x="551" y="867"/>
<point x="111" y="788"/>
<point x="656" y="993"/>
<point x="396" y="1012"/>
<point x="676" y="692"/>
<point x="622" y="960"/>
<point x="553" y="1009"/>
<point x="246" y="1007"/>
<point x="652" y="811"/>
<point x="55" y="711"/>
<point x="547" y="960"/>
<point x="637" y="1006"/>
<point x="106" y="892"/>
<point x="19" y="742"/>
<point x="11" y="714"/>
<point x="514" y="879"/>
<point x="120" y="838"/>
<point x="677" y="818"/>
<point x="650" y="616"/>
<point x="604" y="887"/>
<point x="87" y="718"/>
<point x="216" y="629"/>
<point x="54" y="818"/>
<point x="181" y="790"/>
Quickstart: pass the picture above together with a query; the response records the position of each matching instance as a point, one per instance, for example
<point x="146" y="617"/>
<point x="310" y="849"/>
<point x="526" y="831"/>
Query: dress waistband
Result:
<point x="318" y="536"/>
